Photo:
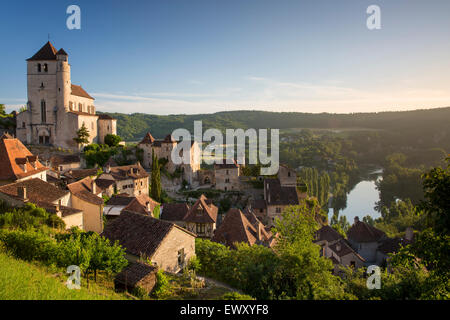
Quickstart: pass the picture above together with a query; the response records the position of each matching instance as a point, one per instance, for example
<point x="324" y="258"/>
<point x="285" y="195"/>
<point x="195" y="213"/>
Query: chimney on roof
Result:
<point x="94" y="187"/>
<point x="338" y="247"/>
<point x="57" y="210"/>
<point x="259" y="232"/>
<point x="22" y="193"/>
<point x="108" y="168"/>
<point x="356" y="219"/>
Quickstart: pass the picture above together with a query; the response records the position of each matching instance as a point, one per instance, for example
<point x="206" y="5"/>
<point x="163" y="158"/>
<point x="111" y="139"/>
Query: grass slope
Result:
<point x="21" y="280"/>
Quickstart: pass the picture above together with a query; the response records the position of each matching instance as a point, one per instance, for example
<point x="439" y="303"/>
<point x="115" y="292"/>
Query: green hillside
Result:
<point x="20" y="280"/>
<point x="418" y="123"/>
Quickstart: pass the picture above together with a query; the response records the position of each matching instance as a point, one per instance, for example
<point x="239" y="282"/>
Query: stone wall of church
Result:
<point x="105" y="127"/>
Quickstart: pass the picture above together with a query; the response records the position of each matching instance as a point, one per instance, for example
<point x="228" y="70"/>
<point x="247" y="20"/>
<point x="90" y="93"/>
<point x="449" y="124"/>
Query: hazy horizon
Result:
<point x="160" y="57"/>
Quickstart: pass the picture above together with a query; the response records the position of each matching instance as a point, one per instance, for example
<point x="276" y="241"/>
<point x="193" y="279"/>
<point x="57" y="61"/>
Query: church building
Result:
<point x="56" y="108"/>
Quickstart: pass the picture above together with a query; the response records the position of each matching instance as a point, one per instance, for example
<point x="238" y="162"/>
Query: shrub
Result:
<point x="236" y="296"/>
<point x="161" y="288"/>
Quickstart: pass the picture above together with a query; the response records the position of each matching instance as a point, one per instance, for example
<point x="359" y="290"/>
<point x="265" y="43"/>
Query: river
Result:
<point x="361" y="199"/>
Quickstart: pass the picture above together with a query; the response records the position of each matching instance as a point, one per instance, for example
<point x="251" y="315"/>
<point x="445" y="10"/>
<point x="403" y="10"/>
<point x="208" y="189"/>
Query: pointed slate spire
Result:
<point x="47" y="52"/>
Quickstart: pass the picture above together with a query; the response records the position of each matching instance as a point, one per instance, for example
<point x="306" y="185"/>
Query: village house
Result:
<point x="277" y="198"/>
<point x="287" y="176"/>
<point x="166" y="245"/>
<point x="18" y="163"/>
<point x="226" y="176"/>
<point x="335" y="247"/>
<point x="201" y="218"/>
<point x="56" y="108"/>
<point x="44" y="195"/>
<point x="237" y="228"/>
<point x="87" y="198"/>
<point x="365" y="240"/>
<point x="163" y="151"/>
<point x="131" y="179"/>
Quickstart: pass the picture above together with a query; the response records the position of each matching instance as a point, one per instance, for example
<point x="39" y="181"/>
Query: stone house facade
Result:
<point x="163" y="150"/>
<point x="227" y="176"/>
<point x="201" y="218"/>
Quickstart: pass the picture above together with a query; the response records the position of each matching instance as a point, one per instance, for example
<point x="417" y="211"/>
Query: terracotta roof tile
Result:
<point x="237" y="228"/>
<point x="37" y="190"/>
<point x="135" y="171"/>
<point x="80" y="92"/>
<point x="83" y="189"/>
<point x="327" y="233"/>
<point x="363" y="232"/>
<point x="174" y="211"/>
<point x="280" y="195"/>
<point x="142" y="204"/>
<point x="202" y="212"/>
<point x="148" y="139"/>
<point x="47" y="52"/>
<point x="135" y="272"/>
<point x="13" y="155"/>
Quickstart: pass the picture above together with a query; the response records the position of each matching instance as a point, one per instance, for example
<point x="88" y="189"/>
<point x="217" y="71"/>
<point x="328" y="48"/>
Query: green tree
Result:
<point x="155" y="178"/>
<point x="82" y="135"/>
<point x="112" y="140"/>
<point x="2" y="109"/>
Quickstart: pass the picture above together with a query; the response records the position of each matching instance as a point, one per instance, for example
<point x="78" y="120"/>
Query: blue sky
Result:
<point x="202" y="56"/>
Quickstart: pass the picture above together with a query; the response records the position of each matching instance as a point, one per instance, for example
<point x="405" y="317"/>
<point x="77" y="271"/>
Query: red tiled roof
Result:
<point x="174" y="211"/>
<point x="237" y="228"/>
<point x="327" y="233"/>
<point x="342" y="248"/>
<point x="120" y="200"/>
<point x="202" y="212"/>
<point x="139" y="205"/>
<point x="134" y="171"/>
<point x="138" y="233"/>
<point x="148" y="139"/>
<point x="47" y="52"/>
<point x="12" y="154"/>
<point x="83" y="189"/>
<point x="134" y="273"/>
<point x="363" y="232"/>
<point x="37" y="191"/>
<point x="280" y="195"/>
<point x="80" y="92"/>
<point x="81" y="173"/>
<point x="61" y="52"/>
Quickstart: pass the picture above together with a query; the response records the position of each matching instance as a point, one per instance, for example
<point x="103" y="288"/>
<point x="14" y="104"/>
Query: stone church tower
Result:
<point x="56" y="108"/>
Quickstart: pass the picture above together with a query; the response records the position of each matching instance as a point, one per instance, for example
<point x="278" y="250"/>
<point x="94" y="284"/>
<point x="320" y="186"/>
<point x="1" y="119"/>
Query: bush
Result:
<point x="29" y="216"/>
<point x="112" y="140"/>
<point x="236" y="296"/>
<point x="161" y="288"/>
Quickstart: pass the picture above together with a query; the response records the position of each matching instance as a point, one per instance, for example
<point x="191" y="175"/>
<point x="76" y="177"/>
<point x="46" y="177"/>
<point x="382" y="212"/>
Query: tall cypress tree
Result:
<point x="156" y="178"/>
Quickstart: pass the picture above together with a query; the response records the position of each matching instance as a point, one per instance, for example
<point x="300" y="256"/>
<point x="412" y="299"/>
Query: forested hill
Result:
<point x="432" y="122"/>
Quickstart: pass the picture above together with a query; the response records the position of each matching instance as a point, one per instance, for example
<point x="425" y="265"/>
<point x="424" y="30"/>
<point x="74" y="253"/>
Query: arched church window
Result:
<point x="43" y="112"/>
<point x="45" y="67"/>
<point x="39" y="67"/>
